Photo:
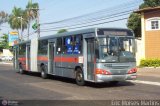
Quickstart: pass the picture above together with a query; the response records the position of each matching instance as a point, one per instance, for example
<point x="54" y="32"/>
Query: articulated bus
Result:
<point x="95" y="55"/>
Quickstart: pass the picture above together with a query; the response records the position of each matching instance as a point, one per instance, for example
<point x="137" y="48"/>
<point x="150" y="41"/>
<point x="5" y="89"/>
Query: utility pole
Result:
<point x="21" y="28"/>
<point x="38" y="29"/>
<point x="20" y="37"/>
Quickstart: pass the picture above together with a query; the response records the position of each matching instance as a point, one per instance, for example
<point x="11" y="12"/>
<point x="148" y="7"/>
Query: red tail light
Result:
<point x="133" y="70"/>
<point x="101" y="71"/>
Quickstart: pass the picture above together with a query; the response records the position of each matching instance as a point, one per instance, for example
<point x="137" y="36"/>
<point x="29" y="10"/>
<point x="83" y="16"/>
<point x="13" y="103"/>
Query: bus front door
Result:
<point x="51" y="63"/>
<point x="90" y="59"/>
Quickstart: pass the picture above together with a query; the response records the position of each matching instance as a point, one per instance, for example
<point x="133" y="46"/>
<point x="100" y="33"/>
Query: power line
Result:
<point x="109" y="10"/>
<point x="108" y="16"/>
<point x="89" y="25"/>
<point x="92" y="21"/>
<point x="91" y="18"/>
<point x="25" y="36"/>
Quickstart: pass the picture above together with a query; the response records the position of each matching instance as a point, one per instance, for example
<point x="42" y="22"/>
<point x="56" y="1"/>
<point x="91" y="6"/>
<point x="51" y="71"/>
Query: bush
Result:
<point x="150" y="63"/>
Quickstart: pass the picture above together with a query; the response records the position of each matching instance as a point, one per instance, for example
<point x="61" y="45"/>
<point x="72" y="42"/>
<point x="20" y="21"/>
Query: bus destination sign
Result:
<point x="114" y="32"/>
<point x="122" y="33"/>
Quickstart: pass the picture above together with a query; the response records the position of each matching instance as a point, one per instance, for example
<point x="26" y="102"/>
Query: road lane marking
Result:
<point x="146" y="82"/>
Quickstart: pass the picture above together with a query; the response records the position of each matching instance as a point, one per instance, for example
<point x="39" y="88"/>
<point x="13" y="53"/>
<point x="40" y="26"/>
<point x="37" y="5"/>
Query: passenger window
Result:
<point x="77" y="44"/>
<point x="72" y="44"/>
<point x="42" y="49"/>
<point x="59" y="46"/>
<point x="68" y="45"/>
<point x="22" y="49"/>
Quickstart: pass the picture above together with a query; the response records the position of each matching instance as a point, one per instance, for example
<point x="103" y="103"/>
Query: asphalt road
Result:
<point x="14" y="86"/>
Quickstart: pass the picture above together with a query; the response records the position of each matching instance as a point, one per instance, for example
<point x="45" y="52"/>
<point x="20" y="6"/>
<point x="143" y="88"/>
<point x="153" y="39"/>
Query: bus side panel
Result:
<point x="65" y="66"/>
<point x="42" y="60"/>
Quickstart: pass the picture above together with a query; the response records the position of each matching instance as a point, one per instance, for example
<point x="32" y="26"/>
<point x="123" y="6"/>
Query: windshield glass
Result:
<point x="115" y="49"/>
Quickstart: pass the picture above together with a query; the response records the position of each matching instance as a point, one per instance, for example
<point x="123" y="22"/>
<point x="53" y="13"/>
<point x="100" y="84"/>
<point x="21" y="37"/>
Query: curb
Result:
<point x="6" y="63"/>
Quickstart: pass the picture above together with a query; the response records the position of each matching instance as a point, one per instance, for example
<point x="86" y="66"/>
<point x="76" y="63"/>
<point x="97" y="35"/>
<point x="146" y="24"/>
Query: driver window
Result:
<point x="113" y="46"/>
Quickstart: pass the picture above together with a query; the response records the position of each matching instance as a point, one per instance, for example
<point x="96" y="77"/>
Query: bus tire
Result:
<point x="43" y="72"/>
<point x="80" y="77"/>
<point x="21" y="71"/>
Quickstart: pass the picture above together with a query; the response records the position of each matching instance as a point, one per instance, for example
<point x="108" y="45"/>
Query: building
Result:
<point x="149" y="45"/>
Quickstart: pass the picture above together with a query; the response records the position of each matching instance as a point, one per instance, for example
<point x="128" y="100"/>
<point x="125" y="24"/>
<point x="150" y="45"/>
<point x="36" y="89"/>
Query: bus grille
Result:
<point x="118" y="72"/>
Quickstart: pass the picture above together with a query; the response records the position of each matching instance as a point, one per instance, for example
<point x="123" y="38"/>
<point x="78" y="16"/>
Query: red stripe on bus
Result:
<point x="66" y="59"/>
<point x="22" y="59"/>
<point x="56" y="59"/>
<point x="42" y="58"/>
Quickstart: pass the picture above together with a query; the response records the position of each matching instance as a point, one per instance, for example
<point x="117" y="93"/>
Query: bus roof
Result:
<point x="83" y="31"/>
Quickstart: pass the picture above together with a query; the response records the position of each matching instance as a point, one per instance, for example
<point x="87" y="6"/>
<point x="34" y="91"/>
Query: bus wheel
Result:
<point x="43" y="72"/>
<point x="21" y="71"/>
<point x="80" y="77"/>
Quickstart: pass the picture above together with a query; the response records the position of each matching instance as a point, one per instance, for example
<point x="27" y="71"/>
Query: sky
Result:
<point x="56" y="10"/>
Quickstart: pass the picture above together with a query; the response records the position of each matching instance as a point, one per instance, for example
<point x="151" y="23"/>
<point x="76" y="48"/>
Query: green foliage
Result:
<point x="150" y="3"/>
<point x="134" y="20"/>
<point x="4" y="44"/>
<point x="134" y="23"/>
<point x="31" y="10"/>
<point x="62" y="31"/>
<point x="31" y="13"/>
<point x="150" y="63"/>
<point x="3" y="17"/>
<point x="15" y="20"/>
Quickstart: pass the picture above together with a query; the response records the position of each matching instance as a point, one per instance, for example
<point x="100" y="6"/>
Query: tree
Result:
<point x="62" y="31"/>
<point x="3" y="17"/>
<point x="31" y="12"/>
<point x="150" y="3"/>
<point x="15" y="20"/>
<point x="4" y="44"/>
<point x="134" y="23"/>
<point x="134" y="20"/>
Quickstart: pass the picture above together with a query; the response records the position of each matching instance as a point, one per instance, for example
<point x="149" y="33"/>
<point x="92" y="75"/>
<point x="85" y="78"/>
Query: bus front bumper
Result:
<point x="107" y="78"/>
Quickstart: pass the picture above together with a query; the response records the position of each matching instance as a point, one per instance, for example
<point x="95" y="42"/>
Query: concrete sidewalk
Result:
<point x="153" y="72"/>
<point x="6" y="62"/>
<point x="149" y="76"/>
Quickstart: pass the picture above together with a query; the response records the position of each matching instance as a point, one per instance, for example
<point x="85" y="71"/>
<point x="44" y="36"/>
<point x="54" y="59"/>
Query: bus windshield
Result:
<point x="115" y="49"/>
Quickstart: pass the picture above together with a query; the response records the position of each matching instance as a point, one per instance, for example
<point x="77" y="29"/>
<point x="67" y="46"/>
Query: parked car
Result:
<point x="0" y="58"/>
<point x="6" y="58"/>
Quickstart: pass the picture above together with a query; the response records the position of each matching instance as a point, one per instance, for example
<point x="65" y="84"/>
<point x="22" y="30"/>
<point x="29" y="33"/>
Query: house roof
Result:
<point x="149" y="9"/>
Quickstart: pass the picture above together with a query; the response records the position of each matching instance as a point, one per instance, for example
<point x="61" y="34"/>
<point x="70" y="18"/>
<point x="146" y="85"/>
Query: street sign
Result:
<point x="13" y="38"/>
<point x="35" y="26"/>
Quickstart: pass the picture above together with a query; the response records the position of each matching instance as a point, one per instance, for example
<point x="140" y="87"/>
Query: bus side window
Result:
<point x="42" y="48"/>
<point x="77" y="44"/>
<point x="59" y="46"/>
<point x="67" y="45"/>
<point x="22" y="49"/>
